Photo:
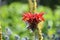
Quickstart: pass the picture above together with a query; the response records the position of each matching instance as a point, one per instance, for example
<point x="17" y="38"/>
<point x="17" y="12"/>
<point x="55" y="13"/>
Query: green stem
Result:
<point x="39" y="29"/>
<point x="40" y="35"/>
<point x="34" y="6"/>
<point x="0" y="33"/>
<point x="30" y="5"/>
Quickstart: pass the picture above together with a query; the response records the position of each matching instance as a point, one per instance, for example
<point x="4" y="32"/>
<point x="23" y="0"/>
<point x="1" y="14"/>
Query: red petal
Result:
<point x="41" y="14"/>
<point x="41" y="19"/>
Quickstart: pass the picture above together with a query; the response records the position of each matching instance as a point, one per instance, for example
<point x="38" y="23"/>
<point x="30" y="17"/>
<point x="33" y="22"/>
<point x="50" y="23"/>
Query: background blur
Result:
<point x="13" y="28"/>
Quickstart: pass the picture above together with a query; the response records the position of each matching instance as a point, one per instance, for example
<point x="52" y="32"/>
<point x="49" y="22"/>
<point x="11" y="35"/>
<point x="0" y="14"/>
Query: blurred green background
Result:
<point x="14" y="28"/>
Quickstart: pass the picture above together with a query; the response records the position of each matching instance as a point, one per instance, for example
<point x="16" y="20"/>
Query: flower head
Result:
<point x="33" y="19"/>
<point x="29" y="17"/>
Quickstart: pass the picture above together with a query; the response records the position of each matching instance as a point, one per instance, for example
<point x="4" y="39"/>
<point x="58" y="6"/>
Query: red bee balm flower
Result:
<point x="33" y="19"/>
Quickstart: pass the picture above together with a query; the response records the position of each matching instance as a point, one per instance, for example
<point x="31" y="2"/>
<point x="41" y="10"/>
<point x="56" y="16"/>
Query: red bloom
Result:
<point x="29" y="17"/>
<point x="33" y="19"/>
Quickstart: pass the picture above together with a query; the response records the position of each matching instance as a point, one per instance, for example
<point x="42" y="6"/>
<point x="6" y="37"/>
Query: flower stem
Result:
<point x="34" y="6"/>
<point x="30" y="5"/>
<point x="0" y="33"/>
<point x="39" y="29"/>
<point x="40" y="35"/>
